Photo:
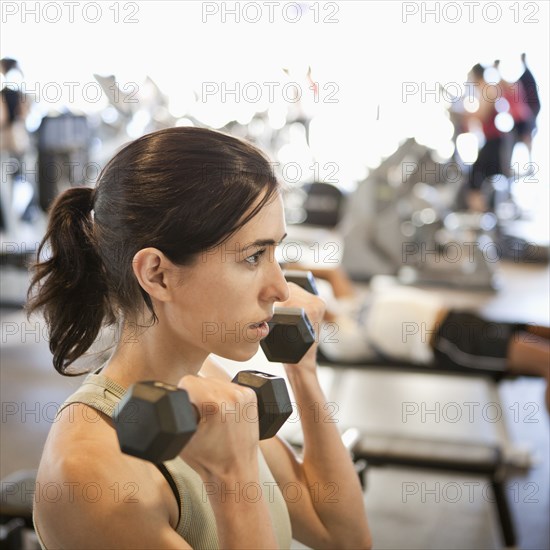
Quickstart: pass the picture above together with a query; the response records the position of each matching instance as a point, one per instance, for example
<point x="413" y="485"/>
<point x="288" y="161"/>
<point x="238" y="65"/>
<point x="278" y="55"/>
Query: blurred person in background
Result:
<point x="14" y="108"/>
<point x="494" y="157"/>
<point x="526" y="129"/>
<point x="405" y="324"/>
<point x="14" y="139"/>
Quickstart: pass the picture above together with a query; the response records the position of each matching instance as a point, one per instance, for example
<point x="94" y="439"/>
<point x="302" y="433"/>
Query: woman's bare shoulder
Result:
<point x="85" y="484"/>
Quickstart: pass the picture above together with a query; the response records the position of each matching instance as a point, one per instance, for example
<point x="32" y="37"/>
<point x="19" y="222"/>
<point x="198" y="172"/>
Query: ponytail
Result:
<point x="69" y="285"/>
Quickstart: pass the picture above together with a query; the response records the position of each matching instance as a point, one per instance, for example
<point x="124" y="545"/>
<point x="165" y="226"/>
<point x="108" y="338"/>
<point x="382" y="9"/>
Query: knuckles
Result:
<point x="248" y="395"/>
<point x="314" y="305"/>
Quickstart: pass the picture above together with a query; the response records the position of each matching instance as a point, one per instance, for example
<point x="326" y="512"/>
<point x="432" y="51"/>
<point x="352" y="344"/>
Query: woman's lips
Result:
<point x="266" y="320"/>
<point x="261" y="328"/>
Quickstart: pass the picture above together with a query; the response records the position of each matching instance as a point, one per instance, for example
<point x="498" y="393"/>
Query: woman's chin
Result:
<point x="241" y="353"/>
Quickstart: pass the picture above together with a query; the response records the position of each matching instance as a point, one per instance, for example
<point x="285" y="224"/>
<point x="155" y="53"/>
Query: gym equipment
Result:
<point x="154" y="421"/>
<point x="290" y="331"/>
<point x="480" y="459"/>
<point x="274" y="406"/>
<point x="396" y="225"/>
<point x="16" y="501"/>
<point x="323" y="204"/>
<point x="290" y="335"/>
<point x="63" y="155"/>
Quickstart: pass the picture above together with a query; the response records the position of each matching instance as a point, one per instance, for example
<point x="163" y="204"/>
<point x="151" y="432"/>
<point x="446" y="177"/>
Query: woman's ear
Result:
<point x="155" y="273"/>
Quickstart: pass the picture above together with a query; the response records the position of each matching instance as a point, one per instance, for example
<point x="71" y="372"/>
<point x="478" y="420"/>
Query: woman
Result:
<point x="179" y="232"/>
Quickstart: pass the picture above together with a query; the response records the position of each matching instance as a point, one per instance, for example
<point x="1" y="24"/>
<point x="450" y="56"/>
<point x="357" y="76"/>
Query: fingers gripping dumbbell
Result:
<point x="290" y="331"/>
<point x="154" y="421"/>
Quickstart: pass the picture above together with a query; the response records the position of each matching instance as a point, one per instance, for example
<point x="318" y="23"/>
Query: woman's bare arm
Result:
<point x="89" y="494"/>
<point x="325" y="502"/>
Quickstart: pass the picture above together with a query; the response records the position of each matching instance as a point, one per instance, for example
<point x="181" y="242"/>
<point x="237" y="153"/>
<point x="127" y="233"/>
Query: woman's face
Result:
<point x="233" y="287"/>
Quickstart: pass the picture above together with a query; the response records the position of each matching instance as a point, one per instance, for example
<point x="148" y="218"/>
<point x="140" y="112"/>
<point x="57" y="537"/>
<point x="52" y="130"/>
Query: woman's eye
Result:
<point x="255" y="258"/>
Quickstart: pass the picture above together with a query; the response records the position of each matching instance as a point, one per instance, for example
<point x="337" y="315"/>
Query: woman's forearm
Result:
<point x="241" y="522"/>
<point x="334" y="485"/>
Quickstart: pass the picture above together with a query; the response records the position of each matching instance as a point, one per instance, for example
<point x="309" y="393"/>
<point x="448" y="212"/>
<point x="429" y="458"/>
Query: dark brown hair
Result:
<point x="181" y="190"/>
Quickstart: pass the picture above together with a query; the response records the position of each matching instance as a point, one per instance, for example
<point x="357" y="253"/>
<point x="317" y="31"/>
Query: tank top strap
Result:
<point x="97" y="391"/>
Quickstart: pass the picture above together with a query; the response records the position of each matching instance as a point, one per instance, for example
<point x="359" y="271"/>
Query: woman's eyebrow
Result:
<point x="264" y="242"/>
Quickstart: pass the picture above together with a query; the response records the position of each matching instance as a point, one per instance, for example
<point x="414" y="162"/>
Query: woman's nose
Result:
<point x="279" y="287"/>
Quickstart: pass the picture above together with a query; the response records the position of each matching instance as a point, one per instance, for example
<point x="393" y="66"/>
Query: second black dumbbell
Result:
<point x="154" y="421"/>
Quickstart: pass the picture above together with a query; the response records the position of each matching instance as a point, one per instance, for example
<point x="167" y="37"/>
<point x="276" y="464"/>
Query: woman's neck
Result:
<point x="152" y="354"/>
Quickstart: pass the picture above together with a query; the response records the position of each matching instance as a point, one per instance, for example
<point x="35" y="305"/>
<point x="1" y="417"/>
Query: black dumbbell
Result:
<point x="305" y="279"/>
<point x="290" y="331"/>
<point x="154" y="421"/>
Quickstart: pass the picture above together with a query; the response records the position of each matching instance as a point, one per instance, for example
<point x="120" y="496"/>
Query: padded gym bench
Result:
<point x="453" y="456"/>
<point x="400" y="366"/>
<point x="516" y="458"/>
<point x="395" y="449"/>
<point x="370" y="449"/>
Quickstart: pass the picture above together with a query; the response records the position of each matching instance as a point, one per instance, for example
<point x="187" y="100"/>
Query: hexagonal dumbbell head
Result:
<point x="290" y="335"/>
<point x="154" y="421"/>
<point x="274" y="406"/>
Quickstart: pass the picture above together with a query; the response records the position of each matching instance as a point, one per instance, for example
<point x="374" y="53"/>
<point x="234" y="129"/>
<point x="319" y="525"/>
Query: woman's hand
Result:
<point x="226" y="442"/>
<point x="314" y="307"/>
<point x="224" y="452"/>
